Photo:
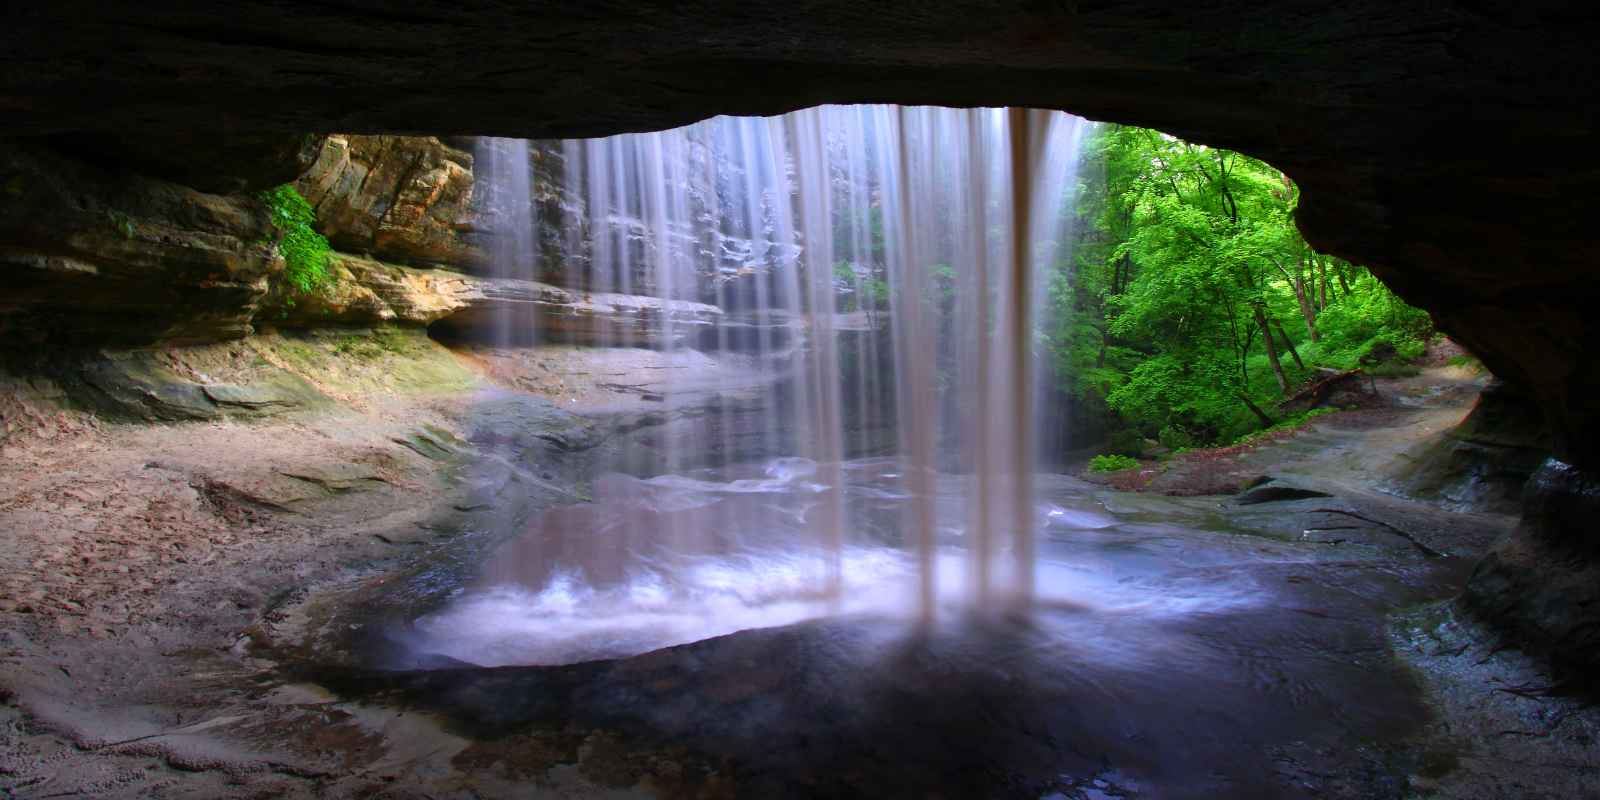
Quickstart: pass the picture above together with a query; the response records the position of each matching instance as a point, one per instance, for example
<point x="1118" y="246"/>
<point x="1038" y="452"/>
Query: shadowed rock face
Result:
<point x="1442" y="145"/>
<point x="91" y="254"/>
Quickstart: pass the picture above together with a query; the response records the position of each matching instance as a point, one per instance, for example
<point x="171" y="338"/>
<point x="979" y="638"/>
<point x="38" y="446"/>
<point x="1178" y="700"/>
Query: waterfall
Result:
<point x="876" y="267"/>
<point x="504" y="180"/>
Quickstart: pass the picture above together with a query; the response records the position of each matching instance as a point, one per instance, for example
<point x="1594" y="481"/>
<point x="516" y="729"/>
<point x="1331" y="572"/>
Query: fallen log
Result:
<point x="1318" y="390"/>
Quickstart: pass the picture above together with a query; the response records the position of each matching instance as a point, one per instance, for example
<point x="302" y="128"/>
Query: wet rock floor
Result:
<point x="1301" y="646"/>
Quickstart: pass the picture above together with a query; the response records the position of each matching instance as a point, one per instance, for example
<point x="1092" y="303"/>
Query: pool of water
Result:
<point x="1166" y="653"/>
<point x="674" y="559"/>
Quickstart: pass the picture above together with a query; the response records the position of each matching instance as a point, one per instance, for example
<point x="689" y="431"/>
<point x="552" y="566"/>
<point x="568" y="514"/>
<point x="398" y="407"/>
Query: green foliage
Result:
<point x="878" y="292"/>
<point x="1175" y="438"/>
<point x="122" y="223"/>
<point x="1112" y="463"/>
<point x="1183" y="255"/>
<point x="844" y="287"/>
<point x="843" y="273"/>
<point x="942" y="284"/>
<point x="305" y="252"/>
<point x="1370" y="317"/>
<point x="1125" y="442"/>
<point x="859" y="291"/>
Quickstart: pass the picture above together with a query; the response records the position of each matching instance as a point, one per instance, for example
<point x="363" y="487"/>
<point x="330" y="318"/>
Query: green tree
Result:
<point x="1187" y="262"/>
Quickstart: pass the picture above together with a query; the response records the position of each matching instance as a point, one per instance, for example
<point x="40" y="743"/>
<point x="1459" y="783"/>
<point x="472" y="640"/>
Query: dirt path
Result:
<point x="1352" y="449"/>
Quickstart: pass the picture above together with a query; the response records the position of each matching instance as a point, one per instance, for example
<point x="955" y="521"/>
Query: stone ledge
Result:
<point x="470" y="307"/>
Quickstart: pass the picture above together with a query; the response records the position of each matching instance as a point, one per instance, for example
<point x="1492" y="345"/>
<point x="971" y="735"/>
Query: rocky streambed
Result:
<point x="229" y="608"/>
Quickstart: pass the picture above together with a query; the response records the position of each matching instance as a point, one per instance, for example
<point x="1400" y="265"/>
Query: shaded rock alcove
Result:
<point x="1396" y="122"/>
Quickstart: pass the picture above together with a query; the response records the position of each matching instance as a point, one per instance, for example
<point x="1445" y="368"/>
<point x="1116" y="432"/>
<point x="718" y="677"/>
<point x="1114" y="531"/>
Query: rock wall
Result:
<point x="418" y="200"/>
<point x="94" y="255"/>
<point x="1541" y="586"/>
<point x="406" y="199"/>
<point x="460" y="305"/>
<point x="134" y="296"/>
<point x="203" y="159"/>
<point x="1484" y="462"/>
<point x="408" y="202"/>
<point x="1398" y="123"/>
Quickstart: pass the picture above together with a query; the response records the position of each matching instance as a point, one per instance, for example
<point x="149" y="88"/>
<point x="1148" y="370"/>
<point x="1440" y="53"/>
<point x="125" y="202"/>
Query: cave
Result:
<point x="1440" y="148"/>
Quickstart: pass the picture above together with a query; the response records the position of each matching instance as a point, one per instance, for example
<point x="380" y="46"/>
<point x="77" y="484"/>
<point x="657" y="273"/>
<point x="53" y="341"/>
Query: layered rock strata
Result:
<point x="465" y="306"/>
<point x="93" y="255"/>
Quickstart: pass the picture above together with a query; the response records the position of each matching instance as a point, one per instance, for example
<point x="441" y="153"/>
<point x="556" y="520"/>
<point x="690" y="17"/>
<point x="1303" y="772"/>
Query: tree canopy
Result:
<point x="1191" y="305"/>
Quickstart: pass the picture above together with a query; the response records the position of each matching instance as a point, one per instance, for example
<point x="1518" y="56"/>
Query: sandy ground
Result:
<point x="136" y="559"/>
<point x="102" y="518"/>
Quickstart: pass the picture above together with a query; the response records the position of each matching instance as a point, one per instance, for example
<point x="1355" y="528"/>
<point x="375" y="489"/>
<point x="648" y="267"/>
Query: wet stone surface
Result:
<point x="1164" y="658"/>
<point x="1181" y="646"/>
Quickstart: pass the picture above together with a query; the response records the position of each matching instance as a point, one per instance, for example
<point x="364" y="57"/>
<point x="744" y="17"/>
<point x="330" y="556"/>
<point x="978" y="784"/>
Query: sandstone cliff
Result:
<point x="406" y="199"/>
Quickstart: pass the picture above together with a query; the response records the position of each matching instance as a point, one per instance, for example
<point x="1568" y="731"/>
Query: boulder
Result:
<point x="151" y="385"/>
<point x="366" y="291"/>
<point x="1541" y="585"/>
<point x="1484" y="462"/>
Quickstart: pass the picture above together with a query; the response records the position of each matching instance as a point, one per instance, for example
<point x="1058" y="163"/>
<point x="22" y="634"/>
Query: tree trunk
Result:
<point x="1307" y="297"/>
<point x="1289" y="343"/>
<point x="1305" y="293"/>
<point x="1272" y="349"/>
<point x="1266" y="421"/>
<point x="1322" y="268"/>
<point x="1309" y="260"/>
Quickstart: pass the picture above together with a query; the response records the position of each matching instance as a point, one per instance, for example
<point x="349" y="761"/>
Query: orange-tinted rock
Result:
<point x="398" y="198"/>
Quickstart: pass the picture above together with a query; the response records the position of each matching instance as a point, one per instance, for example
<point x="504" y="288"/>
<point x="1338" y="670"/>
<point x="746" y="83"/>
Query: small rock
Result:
<point x="1273" y="493"/>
